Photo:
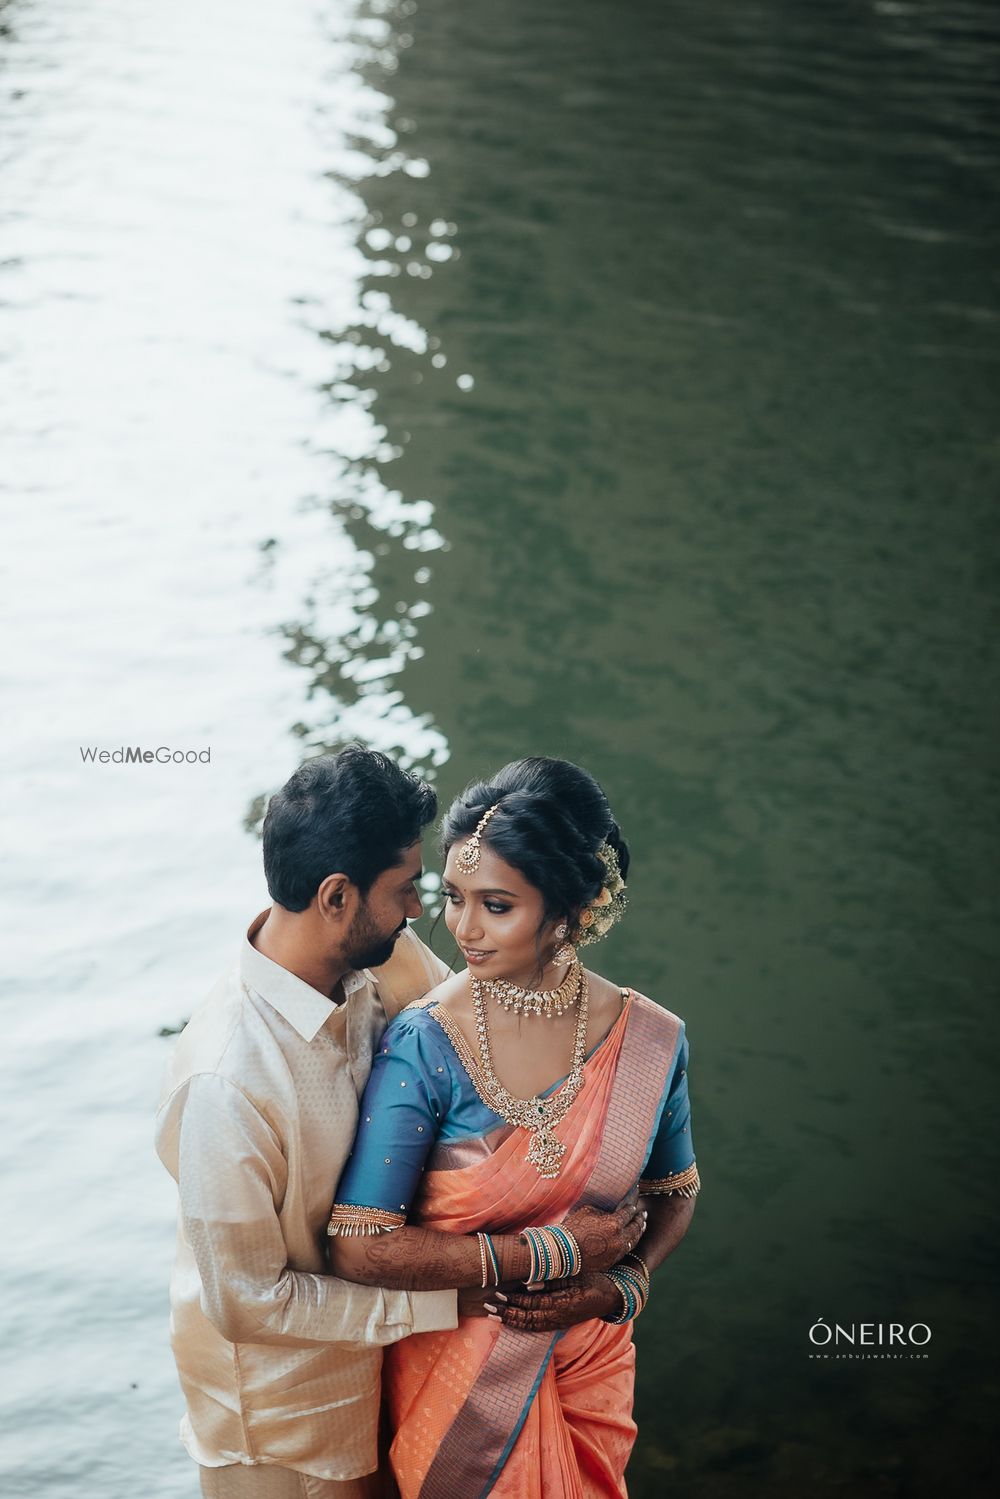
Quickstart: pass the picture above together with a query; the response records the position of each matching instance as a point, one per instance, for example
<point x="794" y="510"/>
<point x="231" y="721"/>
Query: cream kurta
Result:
<point x="279" y="1362"/>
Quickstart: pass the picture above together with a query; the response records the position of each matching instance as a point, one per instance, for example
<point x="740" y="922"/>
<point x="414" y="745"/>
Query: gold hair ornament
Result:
<point x="470" y="852"/>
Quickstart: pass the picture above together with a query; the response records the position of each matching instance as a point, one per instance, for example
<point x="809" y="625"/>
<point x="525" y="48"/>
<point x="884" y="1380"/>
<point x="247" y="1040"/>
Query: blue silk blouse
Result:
<point x="419" y="1093"/>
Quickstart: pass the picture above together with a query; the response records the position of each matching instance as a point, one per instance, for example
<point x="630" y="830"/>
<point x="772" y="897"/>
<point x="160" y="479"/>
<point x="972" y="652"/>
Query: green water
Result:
<point x="719" y="514"/>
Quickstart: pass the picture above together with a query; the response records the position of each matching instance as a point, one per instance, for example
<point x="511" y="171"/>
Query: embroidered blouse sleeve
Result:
<point x="408" y="1095"/>
<point x="671" y="1166"/>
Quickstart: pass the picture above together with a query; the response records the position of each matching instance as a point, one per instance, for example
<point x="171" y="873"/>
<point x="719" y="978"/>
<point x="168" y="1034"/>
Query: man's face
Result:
<point x="383" y="913"/>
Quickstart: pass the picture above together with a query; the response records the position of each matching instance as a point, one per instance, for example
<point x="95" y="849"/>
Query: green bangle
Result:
<point x="634" y="1291"/>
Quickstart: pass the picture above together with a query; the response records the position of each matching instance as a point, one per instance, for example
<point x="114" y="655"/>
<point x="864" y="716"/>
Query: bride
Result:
<point x="504" y="1108"/>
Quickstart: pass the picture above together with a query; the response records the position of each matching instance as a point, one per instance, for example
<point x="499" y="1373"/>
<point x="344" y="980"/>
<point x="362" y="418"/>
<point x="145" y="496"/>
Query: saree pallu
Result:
<point x="487" y="1410"/>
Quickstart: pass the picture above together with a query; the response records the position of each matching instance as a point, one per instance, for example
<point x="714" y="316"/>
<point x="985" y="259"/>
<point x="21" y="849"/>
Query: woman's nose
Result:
<point x="469" y="926"/>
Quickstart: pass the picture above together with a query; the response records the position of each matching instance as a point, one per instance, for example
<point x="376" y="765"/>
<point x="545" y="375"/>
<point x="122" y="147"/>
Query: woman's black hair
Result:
<point x="352" y="813"/>
<point x="552" y="818"/>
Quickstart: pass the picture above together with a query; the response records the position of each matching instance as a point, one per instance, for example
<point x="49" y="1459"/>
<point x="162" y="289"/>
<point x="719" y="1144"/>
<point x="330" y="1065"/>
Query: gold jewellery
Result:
<point x="539" y="1116"/>
<point x="597" y="917"/>
<point x="547" y="1002"/>
<point x="470" y="852"/>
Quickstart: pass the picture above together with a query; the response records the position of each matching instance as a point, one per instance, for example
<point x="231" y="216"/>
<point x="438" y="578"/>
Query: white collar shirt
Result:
<point x="278" y="1360"/>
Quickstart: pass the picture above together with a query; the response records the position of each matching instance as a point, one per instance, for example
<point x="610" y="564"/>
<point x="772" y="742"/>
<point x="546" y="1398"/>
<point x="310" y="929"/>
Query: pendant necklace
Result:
<point x="539" y="1116"/>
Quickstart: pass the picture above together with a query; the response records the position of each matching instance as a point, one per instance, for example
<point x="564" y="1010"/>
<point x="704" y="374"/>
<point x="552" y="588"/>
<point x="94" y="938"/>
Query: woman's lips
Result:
<point x="472" y="956"/>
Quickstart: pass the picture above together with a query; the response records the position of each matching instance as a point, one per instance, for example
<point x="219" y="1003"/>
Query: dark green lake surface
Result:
<point x="719" y="522"/>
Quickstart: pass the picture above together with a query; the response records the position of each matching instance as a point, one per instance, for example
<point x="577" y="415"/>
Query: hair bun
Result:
<point x="613" y="838"/>
<point x="553" y="826"/>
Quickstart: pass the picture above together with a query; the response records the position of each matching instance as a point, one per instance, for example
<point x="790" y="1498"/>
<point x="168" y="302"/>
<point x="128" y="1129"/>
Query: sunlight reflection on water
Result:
<point x="186" y="464"/>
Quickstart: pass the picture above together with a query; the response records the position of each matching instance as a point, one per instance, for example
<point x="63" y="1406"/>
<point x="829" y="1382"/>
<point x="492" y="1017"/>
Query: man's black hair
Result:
<point x="351" y="813"/>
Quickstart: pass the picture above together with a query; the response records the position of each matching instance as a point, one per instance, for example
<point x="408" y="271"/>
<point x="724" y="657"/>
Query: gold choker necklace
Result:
<point x="539" y="1116"/>
<point x="546" y="1002"/>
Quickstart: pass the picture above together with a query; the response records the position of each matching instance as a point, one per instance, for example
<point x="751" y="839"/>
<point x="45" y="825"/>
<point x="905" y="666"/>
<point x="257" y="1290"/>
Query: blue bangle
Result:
<point x="493" y="1259"/>
<point x="633" y="1290"/>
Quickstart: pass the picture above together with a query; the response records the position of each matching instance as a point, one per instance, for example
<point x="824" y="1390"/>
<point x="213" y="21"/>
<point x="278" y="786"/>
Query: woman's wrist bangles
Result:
<point x="633" y="1287"/>
<point x="639" y="1261"/>
<point x="554" y="1253"/>
<point x="488" y="1260"/>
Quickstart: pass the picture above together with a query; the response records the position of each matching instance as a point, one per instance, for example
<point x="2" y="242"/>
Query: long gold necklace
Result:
<point x="546" y="1002"/>
<point x="539" y="1116"/>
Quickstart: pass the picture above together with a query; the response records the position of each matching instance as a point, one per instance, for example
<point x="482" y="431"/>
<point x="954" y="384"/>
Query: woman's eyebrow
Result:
<point x="485" y="890"/>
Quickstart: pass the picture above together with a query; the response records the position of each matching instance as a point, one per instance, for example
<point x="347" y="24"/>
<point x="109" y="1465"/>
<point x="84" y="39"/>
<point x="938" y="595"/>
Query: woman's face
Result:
<point x="494" y="915"/>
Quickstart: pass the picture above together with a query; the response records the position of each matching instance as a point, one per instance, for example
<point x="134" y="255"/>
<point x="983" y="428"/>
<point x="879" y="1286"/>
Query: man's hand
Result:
<point x="562" y="1304"/>
<point x="605" y="1237"/>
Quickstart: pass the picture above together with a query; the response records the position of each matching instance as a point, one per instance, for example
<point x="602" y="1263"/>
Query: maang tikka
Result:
<point x="471" y="851"/>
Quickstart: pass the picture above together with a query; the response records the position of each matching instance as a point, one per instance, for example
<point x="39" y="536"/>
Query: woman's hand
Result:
<point x="562" y="1304"/>
<point x="473" y="1301"/>
<point x="605" y="1237"/>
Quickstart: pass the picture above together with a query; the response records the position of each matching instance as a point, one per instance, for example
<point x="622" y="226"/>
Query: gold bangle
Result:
<point x="639" y="1261"/>
<point x="349" y="1221"/>
<point x="686" y="1183"/>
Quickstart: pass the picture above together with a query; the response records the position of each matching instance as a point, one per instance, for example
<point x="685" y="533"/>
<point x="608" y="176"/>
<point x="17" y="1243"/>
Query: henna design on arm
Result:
<point x="422" y="1259"/>
<point x="669" y="1220"/>
<point x="604" y="1237"/>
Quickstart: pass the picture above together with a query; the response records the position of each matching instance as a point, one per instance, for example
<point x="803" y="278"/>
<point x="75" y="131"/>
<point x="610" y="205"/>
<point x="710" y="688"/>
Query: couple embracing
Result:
<point x="476" y="1172"/>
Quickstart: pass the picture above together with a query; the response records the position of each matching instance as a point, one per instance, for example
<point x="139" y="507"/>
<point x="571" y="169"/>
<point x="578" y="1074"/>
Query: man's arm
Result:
<point x="231" y="1172"/>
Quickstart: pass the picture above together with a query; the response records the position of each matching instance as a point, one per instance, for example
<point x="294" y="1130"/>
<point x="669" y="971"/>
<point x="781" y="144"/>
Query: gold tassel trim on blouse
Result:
<point x="686" y="1183"/>
<point x="349" y="1222"/>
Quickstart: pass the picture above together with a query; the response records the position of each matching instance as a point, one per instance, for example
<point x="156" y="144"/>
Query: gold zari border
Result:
<point x="686" y="1183"/>
<point x="348" y="1221"/>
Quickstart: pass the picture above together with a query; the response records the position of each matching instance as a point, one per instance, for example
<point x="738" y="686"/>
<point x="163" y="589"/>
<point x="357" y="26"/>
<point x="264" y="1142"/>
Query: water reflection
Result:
<point x="208" y="551"/>
<point x="359" y="626"/>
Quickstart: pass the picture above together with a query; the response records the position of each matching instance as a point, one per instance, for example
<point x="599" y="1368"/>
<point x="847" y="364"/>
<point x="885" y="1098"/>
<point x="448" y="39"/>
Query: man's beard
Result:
<point x="367" y="946"/>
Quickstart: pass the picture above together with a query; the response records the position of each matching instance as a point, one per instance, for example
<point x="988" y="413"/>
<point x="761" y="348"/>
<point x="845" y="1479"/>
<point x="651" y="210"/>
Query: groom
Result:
<point x="279" y="1361"/>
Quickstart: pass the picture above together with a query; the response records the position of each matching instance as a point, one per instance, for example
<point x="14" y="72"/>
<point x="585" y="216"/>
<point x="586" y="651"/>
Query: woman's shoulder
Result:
<point x="602" y="991"/>
<point x="416" y="1020"/>
<point x="450" y="988"/>
<point x="613" y="995"/>
<point x="449" y="993"/>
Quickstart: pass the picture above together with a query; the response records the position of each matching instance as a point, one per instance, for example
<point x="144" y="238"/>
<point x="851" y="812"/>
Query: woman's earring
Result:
<point x="566" y="953"/>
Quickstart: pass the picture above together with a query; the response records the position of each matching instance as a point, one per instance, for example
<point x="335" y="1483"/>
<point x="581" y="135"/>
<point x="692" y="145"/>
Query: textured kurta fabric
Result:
<point x="470" y="1414"/>
<point x="239" y="1482"/>
<point x="279" y="1362"/>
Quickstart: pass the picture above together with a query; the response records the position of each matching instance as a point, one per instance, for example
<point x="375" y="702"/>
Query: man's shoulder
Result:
<point x="221" y="1028"/>
<point x="411" y="972"/>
